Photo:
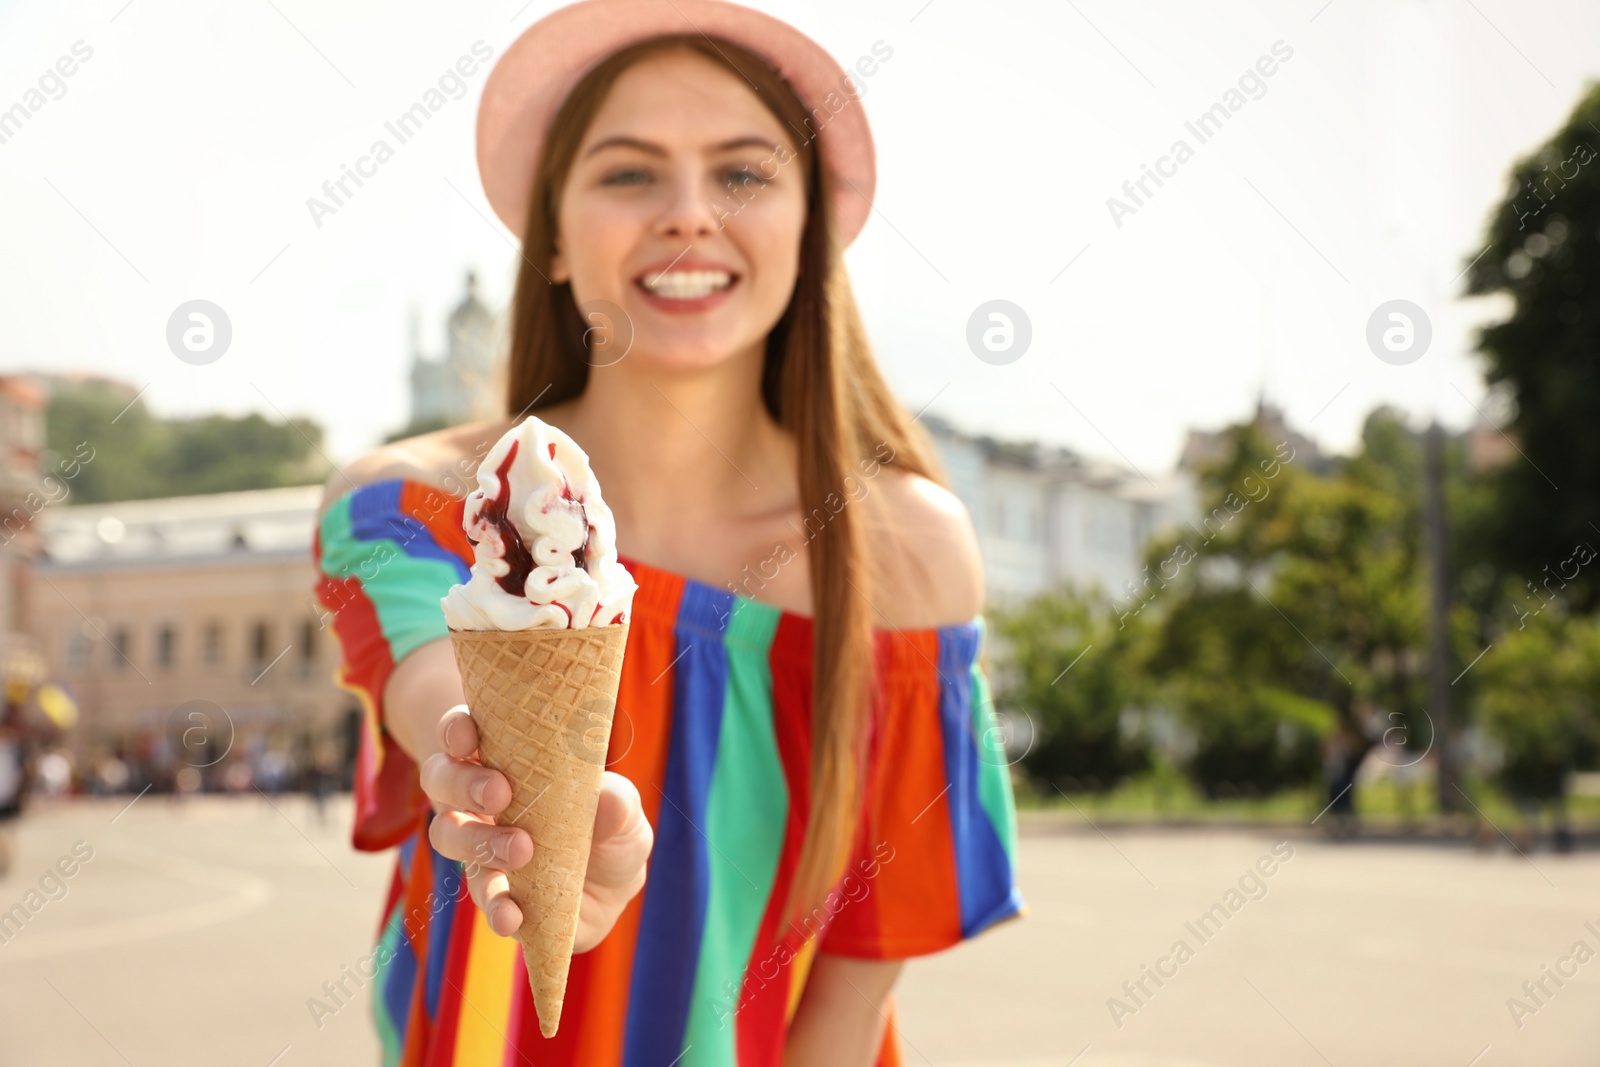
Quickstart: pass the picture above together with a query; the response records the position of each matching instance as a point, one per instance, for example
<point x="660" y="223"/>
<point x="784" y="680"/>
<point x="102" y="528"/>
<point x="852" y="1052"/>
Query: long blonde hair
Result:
<point x="819" y="381"/>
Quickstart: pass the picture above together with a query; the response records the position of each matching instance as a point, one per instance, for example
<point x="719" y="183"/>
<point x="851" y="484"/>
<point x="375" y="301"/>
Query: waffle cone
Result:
<point x="543" y="701"/>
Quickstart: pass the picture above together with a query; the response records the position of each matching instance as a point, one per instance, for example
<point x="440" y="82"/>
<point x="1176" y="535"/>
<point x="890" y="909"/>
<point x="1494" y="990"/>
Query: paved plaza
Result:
<point x="196" y="932"/>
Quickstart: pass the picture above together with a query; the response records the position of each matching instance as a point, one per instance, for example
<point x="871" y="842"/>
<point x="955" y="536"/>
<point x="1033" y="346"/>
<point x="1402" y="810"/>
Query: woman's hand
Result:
<point x="468" y="795"/>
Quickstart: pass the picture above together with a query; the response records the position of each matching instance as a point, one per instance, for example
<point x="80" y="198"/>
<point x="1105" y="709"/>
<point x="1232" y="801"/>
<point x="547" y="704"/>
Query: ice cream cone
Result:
<point x="543" y="700"/>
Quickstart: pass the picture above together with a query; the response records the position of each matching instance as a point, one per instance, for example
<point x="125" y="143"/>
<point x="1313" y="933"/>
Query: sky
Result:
<point x="176" y="161"/>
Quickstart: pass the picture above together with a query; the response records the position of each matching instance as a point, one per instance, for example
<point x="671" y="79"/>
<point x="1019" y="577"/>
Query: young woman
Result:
<point x="803" y="787"/>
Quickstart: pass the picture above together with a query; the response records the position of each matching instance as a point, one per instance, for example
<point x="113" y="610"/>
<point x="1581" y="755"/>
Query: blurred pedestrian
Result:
<point x="237" y="777"/>
<point x="186" y="783"/>
<point x="111" y="775"/>
<point x="322" y="776"/>
<point x="53" y="773"/>
<point x="13" y="784"/>
<point x="1341" y="756"/>
<point x="272" y="770"/>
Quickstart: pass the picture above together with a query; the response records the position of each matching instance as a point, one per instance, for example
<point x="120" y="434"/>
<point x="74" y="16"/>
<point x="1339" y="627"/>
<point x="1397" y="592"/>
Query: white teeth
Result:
<point x="687" y="284"/>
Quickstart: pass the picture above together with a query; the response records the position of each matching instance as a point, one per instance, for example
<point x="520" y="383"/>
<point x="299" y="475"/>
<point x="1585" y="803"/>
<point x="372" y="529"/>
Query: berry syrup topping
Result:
<point x="566" y="494"/>
<point x="517" y="556"/>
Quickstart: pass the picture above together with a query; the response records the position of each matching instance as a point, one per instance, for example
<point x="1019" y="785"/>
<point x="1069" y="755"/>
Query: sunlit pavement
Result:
<point x="197" y="933"/>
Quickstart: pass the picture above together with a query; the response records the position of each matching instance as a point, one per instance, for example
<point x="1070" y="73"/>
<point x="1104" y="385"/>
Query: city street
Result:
<point x="197" y="932"/>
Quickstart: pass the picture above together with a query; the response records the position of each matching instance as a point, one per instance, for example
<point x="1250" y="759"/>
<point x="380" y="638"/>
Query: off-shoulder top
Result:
<point x="713" y="726"/>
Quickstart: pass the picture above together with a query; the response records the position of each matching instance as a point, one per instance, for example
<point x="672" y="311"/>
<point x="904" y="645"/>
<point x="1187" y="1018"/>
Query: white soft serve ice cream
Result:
<point x="545" y="544"/>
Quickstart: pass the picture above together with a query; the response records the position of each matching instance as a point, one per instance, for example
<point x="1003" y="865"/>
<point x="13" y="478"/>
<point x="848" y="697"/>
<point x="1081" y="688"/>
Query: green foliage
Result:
<point x="1537" y="694"/>
<point x="1296" y="606"/>
<point x="1304" y="608"/>
<point x="1253" y="740"/>
<point x="138" y="456"/>
<point x="1543" y="252"/>
<point x="1079" y="714"/>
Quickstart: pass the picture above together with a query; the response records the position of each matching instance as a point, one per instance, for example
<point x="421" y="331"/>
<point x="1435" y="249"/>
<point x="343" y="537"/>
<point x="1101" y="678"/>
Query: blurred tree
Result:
<point x="1253" y="740"/>
<point x="1544" y="254"/>
<point x="138" y="456"/>
<point x="1082" y="744"/>
<point x="1304" y="607"/>
<point x="1537" y="698"/>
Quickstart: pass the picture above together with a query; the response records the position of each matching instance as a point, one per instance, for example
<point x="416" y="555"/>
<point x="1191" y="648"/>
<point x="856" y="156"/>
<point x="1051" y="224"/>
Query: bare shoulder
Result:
<point x="446" y="459"/>
<point x="929" y="566"/>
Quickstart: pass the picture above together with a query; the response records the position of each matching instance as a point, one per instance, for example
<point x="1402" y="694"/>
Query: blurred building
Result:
<point x="142" y="606"/>
<point x="1201" y="448"/>
<point x="23" y="496"/>
<point x="1048" y="516"/>
<point x="460" y="386"/>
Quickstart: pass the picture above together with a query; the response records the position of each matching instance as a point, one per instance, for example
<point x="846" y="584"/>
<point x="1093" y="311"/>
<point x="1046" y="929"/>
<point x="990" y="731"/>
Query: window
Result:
<point x="308" y="647"/>
<point x="166" y="646"/>
<point x="121" y="648"/>
<point x="77" y="652"/>
<point x="212" y="643"/>
<point x="260" y="641"/>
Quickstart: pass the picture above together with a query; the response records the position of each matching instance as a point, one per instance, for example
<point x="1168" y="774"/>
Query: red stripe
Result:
<point x="576" y="1009"/>
<point x="418" y="1025"/>
<point x="457" y="950"/>
<point x="760" y="1021"/>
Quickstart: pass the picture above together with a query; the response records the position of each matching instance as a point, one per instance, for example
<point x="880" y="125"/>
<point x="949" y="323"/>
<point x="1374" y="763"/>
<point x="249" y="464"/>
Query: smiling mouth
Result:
<point x="686" y="284"/>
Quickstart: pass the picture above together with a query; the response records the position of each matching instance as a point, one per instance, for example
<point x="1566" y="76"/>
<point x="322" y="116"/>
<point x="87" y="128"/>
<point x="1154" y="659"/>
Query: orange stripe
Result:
<point x="441" y="513"/>
<point x="889" y="1049"/>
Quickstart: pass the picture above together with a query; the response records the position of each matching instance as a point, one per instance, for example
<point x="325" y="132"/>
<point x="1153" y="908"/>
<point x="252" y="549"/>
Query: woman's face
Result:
<point x="684" y="208"/>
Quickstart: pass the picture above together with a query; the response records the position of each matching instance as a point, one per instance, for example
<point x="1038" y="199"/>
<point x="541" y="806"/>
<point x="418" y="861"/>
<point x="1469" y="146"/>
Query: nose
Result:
<point x="687" y="213"/>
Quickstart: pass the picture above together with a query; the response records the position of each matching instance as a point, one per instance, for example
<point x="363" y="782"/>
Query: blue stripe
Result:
<point x="442" y="908"/>
<point x="400" y="978"/>
<point x="375" y="515"/>
<point x="673" y="918"/>
<point x="391" y="1031"/>
<point x="983" y="870"/>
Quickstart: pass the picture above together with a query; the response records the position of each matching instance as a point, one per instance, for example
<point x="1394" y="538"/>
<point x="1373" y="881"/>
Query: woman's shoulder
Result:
<point x="444" y="459"/>
<point x="930" y="571"/>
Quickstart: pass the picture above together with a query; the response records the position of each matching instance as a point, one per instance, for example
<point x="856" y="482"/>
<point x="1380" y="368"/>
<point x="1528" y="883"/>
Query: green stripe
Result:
<point x="994" y="776"/>
<point x="388" y="1038"/>
<point x="747" y="802"/>
<point x="407" y="597"/>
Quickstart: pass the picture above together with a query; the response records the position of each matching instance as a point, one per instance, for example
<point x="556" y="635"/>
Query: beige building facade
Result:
<point x="150" y="611"/>
<point x="27" y="486"/>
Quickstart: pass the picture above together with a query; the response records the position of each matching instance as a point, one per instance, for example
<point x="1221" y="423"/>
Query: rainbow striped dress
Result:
<point x="712" y="725"/>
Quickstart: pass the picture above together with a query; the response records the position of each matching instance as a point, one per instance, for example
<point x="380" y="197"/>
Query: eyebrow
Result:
<point x="624" y="141"/>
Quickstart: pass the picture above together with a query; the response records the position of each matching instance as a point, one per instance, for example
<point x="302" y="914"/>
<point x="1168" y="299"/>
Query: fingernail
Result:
<point x="478" y="789"/>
